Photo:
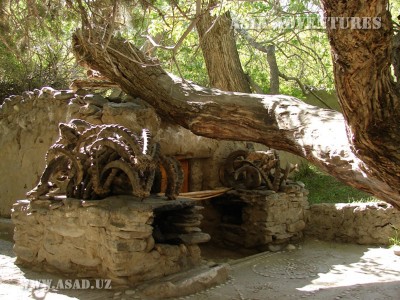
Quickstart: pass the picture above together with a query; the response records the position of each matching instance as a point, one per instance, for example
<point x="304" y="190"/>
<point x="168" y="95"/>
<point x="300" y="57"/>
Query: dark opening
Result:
<point x="169" y="225"/>
<point x="156" y="187"/>
<point x="231" y="210"/>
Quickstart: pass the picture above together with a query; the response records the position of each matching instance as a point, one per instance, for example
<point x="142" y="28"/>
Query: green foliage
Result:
<point x="35" y="45"/>
<point x="326" y="189"/>
<point x="395" y="240"/>
<point x="302" y="50"/>
<point x="35" y="39"/>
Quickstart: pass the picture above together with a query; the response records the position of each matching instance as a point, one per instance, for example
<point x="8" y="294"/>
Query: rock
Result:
<point x="64" y="95"/>
<point x="71" y="203"/>
<point x="396" y="250"/>
<point x="89" y="109"/>
<point x="115" y="95"/>
<point x="82" y="92"/>
<point x="300" y="183"/>
<point x="167" y="250"/>
<point x="137" y="227"/>
<point x="274" y="248"/>
<point x="86" y="261"/>
<point x="48" y="90"/>
<point x="187" y="223"/>
<point x="130" y="292"/>
<point x="296" y="227"/>
<point x="190" y="229"/>
<point x="77" y="100"/>
<point x="56" y="205"/>
<point x="27" y="94"/>
<point x="134" y="245"/>
<point x="290" y="188"/>
<point x="290" y="247"/>
<point x="25" y="253"/>
<point x="67" y="231"/>
<point x="39" y="204"/>
<point x="195" y="238"/>
<point x="186" y="283"/>
<point x="95" y="216"/>
<point x="95" y="100"/>
<point x="130" y="234"/>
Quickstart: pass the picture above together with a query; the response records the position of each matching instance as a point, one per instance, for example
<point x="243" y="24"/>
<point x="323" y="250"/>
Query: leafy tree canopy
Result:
<point x="35" y="39"/>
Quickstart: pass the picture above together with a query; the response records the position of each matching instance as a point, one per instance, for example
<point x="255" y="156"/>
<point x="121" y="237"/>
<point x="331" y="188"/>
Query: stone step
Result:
<point x="184" y="283"/>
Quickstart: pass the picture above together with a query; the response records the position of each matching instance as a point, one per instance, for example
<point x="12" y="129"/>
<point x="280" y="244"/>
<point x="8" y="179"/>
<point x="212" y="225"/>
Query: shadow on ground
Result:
<point x="315" y="270"/>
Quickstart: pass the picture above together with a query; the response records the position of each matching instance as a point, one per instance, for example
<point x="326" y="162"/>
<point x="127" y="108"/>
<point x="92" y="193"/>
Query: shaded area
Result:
<point x="315" y="270"/>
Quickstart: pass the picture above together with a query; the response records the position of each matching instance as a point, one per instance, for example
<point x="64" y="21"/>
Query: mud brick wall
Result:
<point x="257" y="218"/>
<point x="110" y="238"/>
<point x="362" y="223"/>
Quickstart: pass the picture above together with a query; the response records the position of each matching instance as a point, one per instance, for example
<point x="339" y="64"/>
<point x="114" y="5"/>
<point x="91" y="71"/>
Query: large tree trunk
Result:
<point x="218" y="44"/>
<point x="366" y="91"/>
<point x="281" y="122"/>
<point x="396" y="57"/>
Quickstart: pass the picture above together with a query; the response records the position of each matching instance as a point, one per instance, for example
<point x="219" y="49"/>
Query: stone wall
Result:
<point x="257" y="218"/>
<point x="29" y="126"/>
<point x="362" y="223"/>
<point x="112" y="238"/>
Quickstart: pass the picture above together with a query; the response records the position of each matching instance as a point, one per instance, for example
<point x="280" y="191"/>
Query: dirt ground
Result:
<point x="314" y="270"/>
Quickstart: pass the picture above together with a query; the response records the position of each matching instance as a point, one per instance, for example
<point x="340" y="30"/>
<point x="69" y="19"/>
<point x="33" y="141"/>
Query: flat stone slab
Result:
<point x="152" y="203"/>
<point x="184" y="283"/>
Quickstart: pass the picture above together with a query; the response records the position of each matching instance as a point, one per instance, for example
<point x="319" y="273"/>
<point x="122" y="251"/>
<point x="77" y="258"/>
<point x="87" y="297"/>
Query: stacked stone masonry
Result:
<point x="257" y="218"/>
<point x="111" y="238"/>
<point x="362" y="223"/>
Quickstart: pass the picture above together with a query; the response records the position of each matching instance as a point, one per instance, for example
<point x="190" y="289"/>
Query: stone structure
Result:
<point x="257" y="218"/>
<point x="362" y="223"/>
<point x="115" y="238"/>
<point x="130" y="240"/>
<point x="29" y="126"/>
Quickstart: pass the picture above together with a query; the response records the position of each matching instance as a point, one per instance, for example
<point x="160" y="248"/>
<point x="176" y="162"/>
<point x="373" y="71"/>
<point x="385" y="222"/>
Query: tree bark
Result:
<point x="273" y="71"/>
<point x="396" y="57"/>
<point x="218" y="44"/>
<point x="365" y="87"/>
<point x="281" y="122"/>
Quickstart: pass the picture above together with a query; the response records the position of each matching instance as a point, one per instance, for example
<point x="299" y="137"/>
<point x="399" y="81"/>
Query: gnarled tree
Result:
<point x="218" y="45"/>
<point x="360" y="147"/>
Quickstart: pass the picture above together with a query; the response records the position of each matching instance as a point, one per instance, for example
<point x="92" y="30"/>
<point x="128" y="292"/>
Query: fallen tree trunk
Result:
<point x="280" y="122"/>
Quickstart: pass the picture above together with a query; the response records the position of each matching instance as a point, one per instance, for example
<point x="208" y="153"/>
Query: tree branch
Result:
<point x="278" y="121"/>
<point x="272" y="62"/>
<point x="184" y="35"/>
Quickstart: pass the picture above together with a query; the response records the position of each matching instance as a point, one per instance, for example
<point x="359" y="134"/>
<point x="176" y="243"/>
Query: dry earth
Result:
<point x="314" y="270"/>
